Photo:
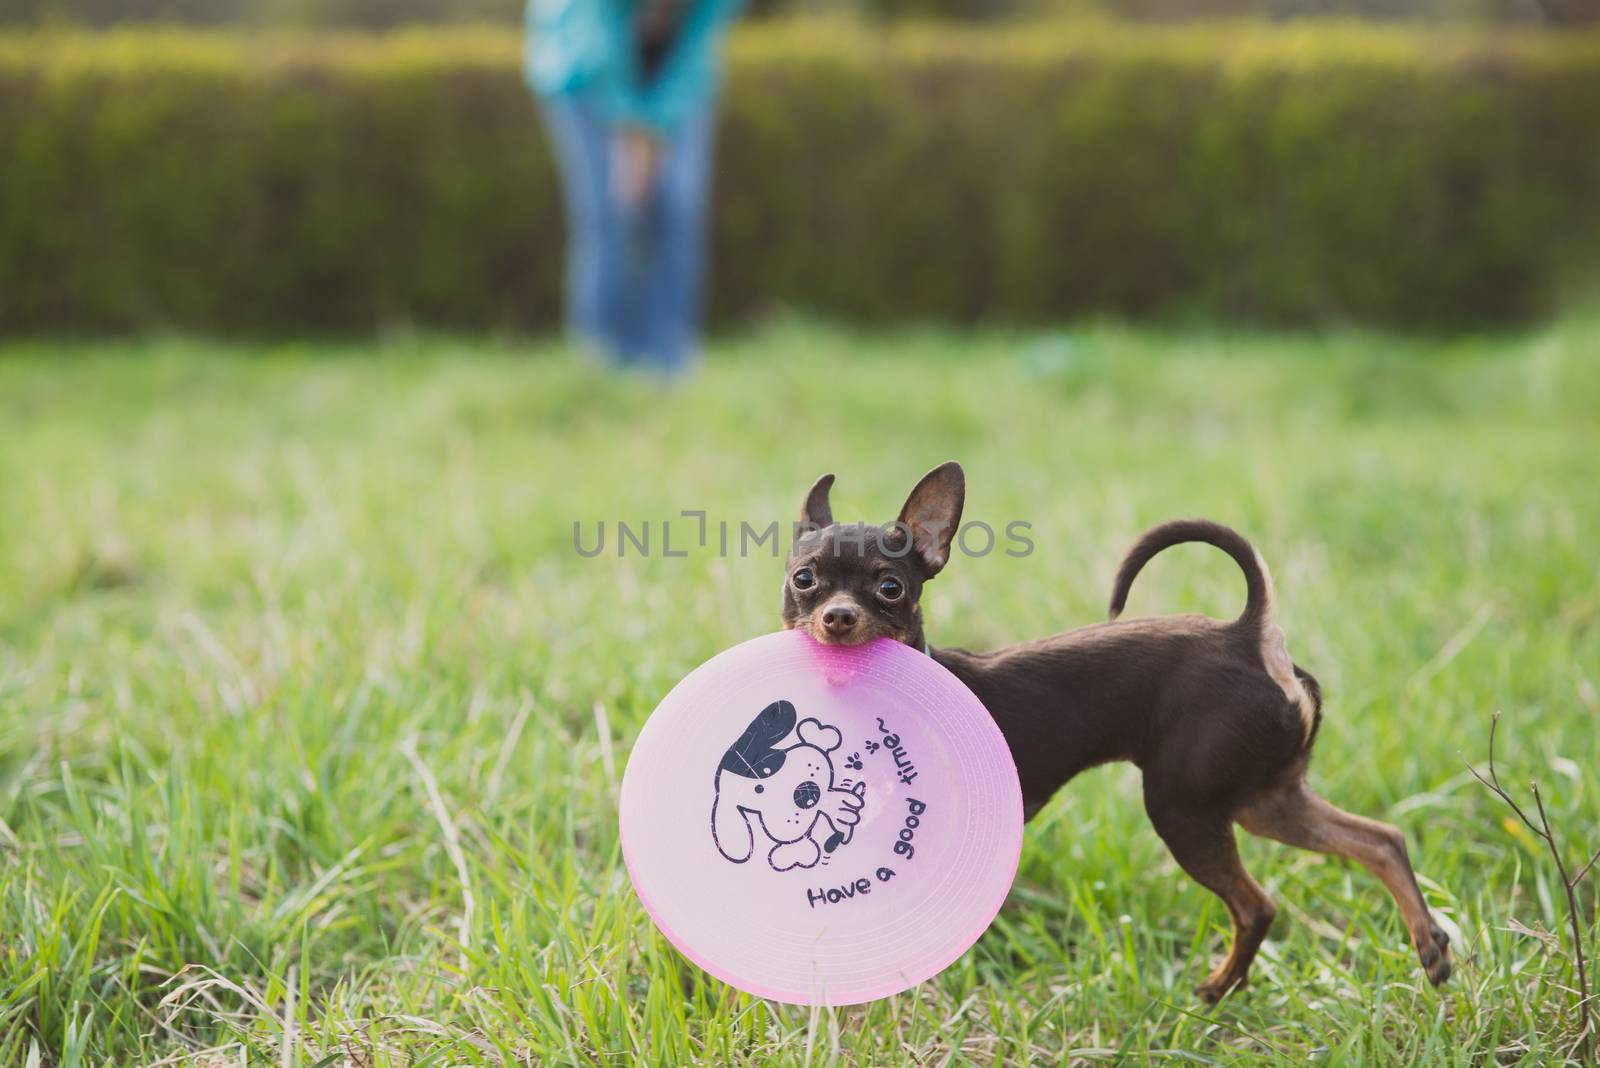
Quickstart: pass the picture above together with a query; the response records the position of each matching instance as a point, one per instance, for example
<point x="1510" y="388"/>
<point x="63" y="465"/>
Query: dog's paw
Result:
<point x="813" y="732"/>
<point x="844" y="807"/>
<point x="842" y="811"/>
<point x="1219" y="984"/>
<point x="1435" y="956"/>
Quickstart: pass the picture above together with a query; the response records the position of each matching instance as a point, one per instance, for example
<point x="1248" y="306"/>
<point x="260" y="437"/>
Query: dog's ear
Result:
<point x="931" y="515"/>
<point x="731" y="830"/>
<point x="817" y="512"/>
<point x="753" y="755"/>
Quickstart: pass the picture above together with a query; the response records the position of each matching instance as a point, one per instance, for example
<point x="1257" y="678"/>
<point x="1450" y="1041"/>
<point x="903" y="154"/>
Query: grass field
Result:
<point x="311" y="717"/>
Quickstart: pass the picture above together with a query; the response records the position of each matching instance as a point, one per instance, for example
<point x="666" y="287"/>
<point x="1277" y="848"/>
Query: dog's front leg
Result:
<point x="842" y="810"/>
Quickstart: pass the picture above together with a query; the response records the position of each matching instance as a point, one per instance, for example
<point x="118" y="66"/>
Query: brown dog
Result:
<point x="1214" y="713"/>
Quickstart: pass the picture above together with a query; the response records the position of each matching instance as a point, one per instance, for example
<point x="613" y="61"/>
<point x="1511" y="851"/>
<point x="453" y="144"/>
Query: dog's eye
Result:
<point x="804" y="579"/>
<point x="889" y="588"/>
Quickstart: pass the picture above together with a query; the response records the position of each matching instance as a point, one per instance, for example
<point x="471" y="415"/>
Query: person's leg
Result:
<point x="636" y="242"/>
<point x="595" y="262"/>
<point x="671" y="298"/>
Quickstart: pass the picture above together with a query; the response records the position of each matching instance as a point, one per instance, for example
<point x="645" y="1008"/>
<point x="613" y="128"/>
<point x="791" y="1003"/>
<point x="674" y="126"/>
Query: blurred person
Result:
<point x="628" y="90"/>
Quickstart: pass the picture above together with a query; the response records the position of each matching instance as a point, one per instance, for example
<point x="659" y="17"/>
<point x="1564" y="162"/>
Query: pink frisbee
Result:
<point x="821" y="825"/>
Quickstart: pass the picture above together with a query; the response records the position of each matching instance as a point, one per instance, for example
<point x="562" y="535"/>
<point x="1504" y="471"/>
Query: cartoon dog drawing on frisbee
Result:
<point x="788" y="790"/>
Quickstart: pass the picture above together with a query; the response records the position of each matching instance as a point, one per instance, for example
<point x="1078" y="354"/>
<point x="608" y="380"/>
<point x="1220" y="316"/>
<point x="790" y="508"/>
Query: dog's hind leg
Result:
<point x="1201" y="840"/>
<point x="1296" y="815"/>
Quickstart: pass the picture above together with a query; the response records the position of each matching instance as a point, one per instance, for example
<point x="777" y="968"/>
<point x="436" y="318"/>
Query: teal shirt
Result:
<point x="586" y="47"/>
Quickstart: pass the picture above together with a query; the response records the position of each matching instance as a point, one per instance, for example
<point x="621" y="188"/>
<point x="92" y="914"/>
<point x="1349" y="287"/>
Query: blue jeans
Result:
<point x="633" y="274"/>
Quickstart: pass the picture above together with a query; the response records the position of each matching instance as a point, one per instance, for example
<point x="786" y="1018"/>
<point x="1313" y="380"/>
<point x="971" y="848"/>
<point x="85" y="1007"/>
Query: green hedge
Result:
<point x="152" y="180"/>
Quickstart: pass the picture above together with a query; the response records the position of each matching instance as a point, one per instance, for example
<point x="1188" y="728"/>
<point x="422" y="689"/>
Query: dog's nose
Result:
<point x="840" y="618"/>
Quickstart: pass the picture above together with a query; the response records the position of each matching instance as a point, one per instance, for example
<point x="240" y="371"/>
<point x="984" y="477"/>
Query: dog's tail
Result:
<point x="1257" y="620"/>
<point x="1258" y="584"/>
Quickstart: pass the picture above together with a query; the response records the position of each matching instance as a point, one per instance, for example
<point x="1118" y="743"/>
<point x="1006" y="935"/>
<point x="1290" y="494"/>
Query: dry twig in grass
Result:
<point x="452" y="842"/>
<point x="1568" y="882"/>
